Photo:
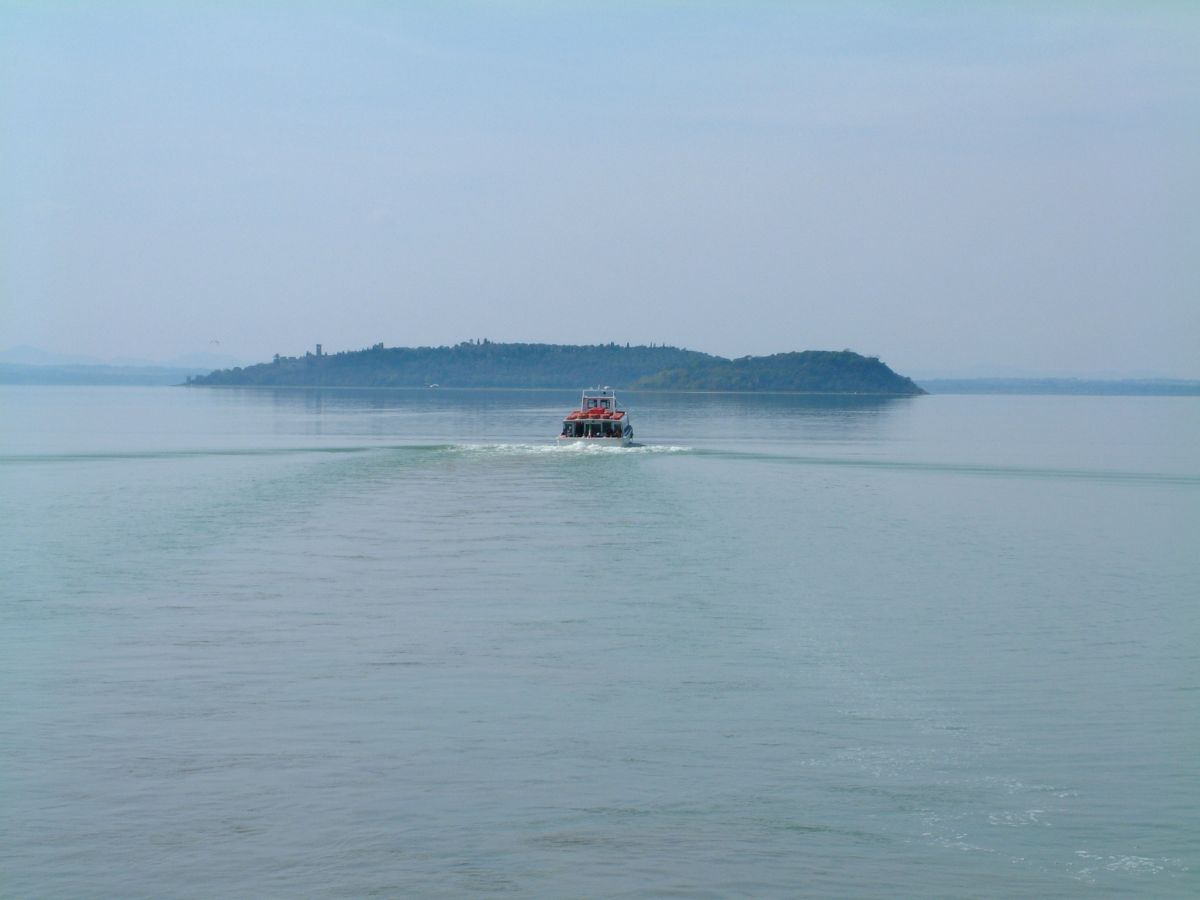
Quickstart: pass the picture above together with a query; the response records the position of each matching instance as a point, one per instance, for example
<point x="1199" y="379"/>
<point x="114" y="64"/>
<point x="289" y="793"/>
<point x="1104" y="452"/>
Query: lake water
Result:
<point x="398" y="643"/>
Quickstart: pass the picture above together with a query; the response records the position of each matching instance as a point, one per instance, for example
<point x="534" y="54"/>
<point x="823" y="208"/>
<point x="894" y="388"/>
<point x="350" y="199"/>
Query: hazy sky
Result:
<point x="954" y="187"/>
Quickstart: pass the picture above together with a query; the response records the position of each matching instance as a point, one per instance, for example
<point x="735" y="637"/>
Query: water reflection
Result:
<point x="534" y="415"/>
<point x="771" y="418"/>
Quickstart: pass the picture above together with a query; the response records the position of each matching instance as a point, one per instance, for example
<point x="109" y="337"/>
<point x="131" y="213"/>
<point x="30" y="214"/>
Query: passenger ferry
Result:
<point x="599" y="418"/>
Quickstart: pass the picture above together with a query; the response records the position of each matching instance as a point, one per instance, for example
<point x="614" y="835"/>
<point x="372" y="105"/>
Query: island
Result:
<point x="484" y="363"/>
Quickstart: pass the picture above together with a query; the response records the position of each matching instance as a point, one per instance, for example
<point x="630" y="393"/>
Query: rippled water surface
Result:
<point x="382" y="643"/>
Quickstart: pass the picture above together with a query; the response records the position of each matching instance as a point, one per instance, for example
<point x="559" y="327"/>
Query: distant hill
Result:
<point x="95" y="374"/>
<point x="814" y="371"/>
<point x="487" y="364"/>
<point x="31" y="365"/>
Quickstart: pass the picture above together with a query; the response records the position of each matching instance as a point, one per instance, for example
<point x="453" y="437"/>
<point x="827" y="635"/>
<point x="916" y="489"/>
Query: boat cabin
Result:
<point x="598" y="399"/>
<point x="598" y="416"/>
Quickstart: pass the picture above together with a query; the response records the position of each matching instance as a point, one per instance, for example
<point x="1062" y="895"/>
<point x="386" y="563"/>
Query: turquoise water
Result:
<point x="389" y="643"/>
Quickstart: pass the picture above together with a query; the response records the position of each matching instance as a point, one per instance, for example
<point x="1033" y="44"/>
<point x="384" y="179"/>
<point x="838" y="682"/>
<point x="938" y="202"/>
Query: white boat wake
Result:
<point x="573" y="448"/>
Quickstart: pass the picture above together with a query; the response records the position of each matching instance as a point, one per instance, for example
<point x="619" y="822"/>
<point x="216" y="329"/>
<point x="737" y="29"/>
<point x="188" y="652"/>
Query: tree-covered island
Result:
<point x="484" y="363"/>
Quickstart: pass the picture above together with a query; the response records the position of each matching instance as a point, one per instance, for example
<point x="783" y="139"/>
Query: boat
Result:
<point x="599" y="419"/>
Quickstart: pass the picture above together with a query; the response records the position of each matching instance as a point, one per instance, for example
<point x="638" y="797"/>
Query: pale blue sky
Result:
<point x="983" y="187"/>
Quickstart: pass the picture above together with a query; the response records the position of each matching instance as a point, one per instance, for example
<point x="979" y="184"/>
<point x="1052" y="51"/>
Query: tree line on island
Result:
<point x="484" y="363"/>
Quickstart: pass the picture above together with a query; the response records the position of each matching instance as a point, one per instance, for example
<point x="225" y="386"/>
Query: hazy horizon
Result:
<point x="1004" y="189"/>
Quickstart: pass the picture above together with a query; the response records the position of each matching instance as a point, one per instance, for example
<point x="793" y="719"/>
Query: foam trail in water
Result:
<point x="573" y="448"/>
